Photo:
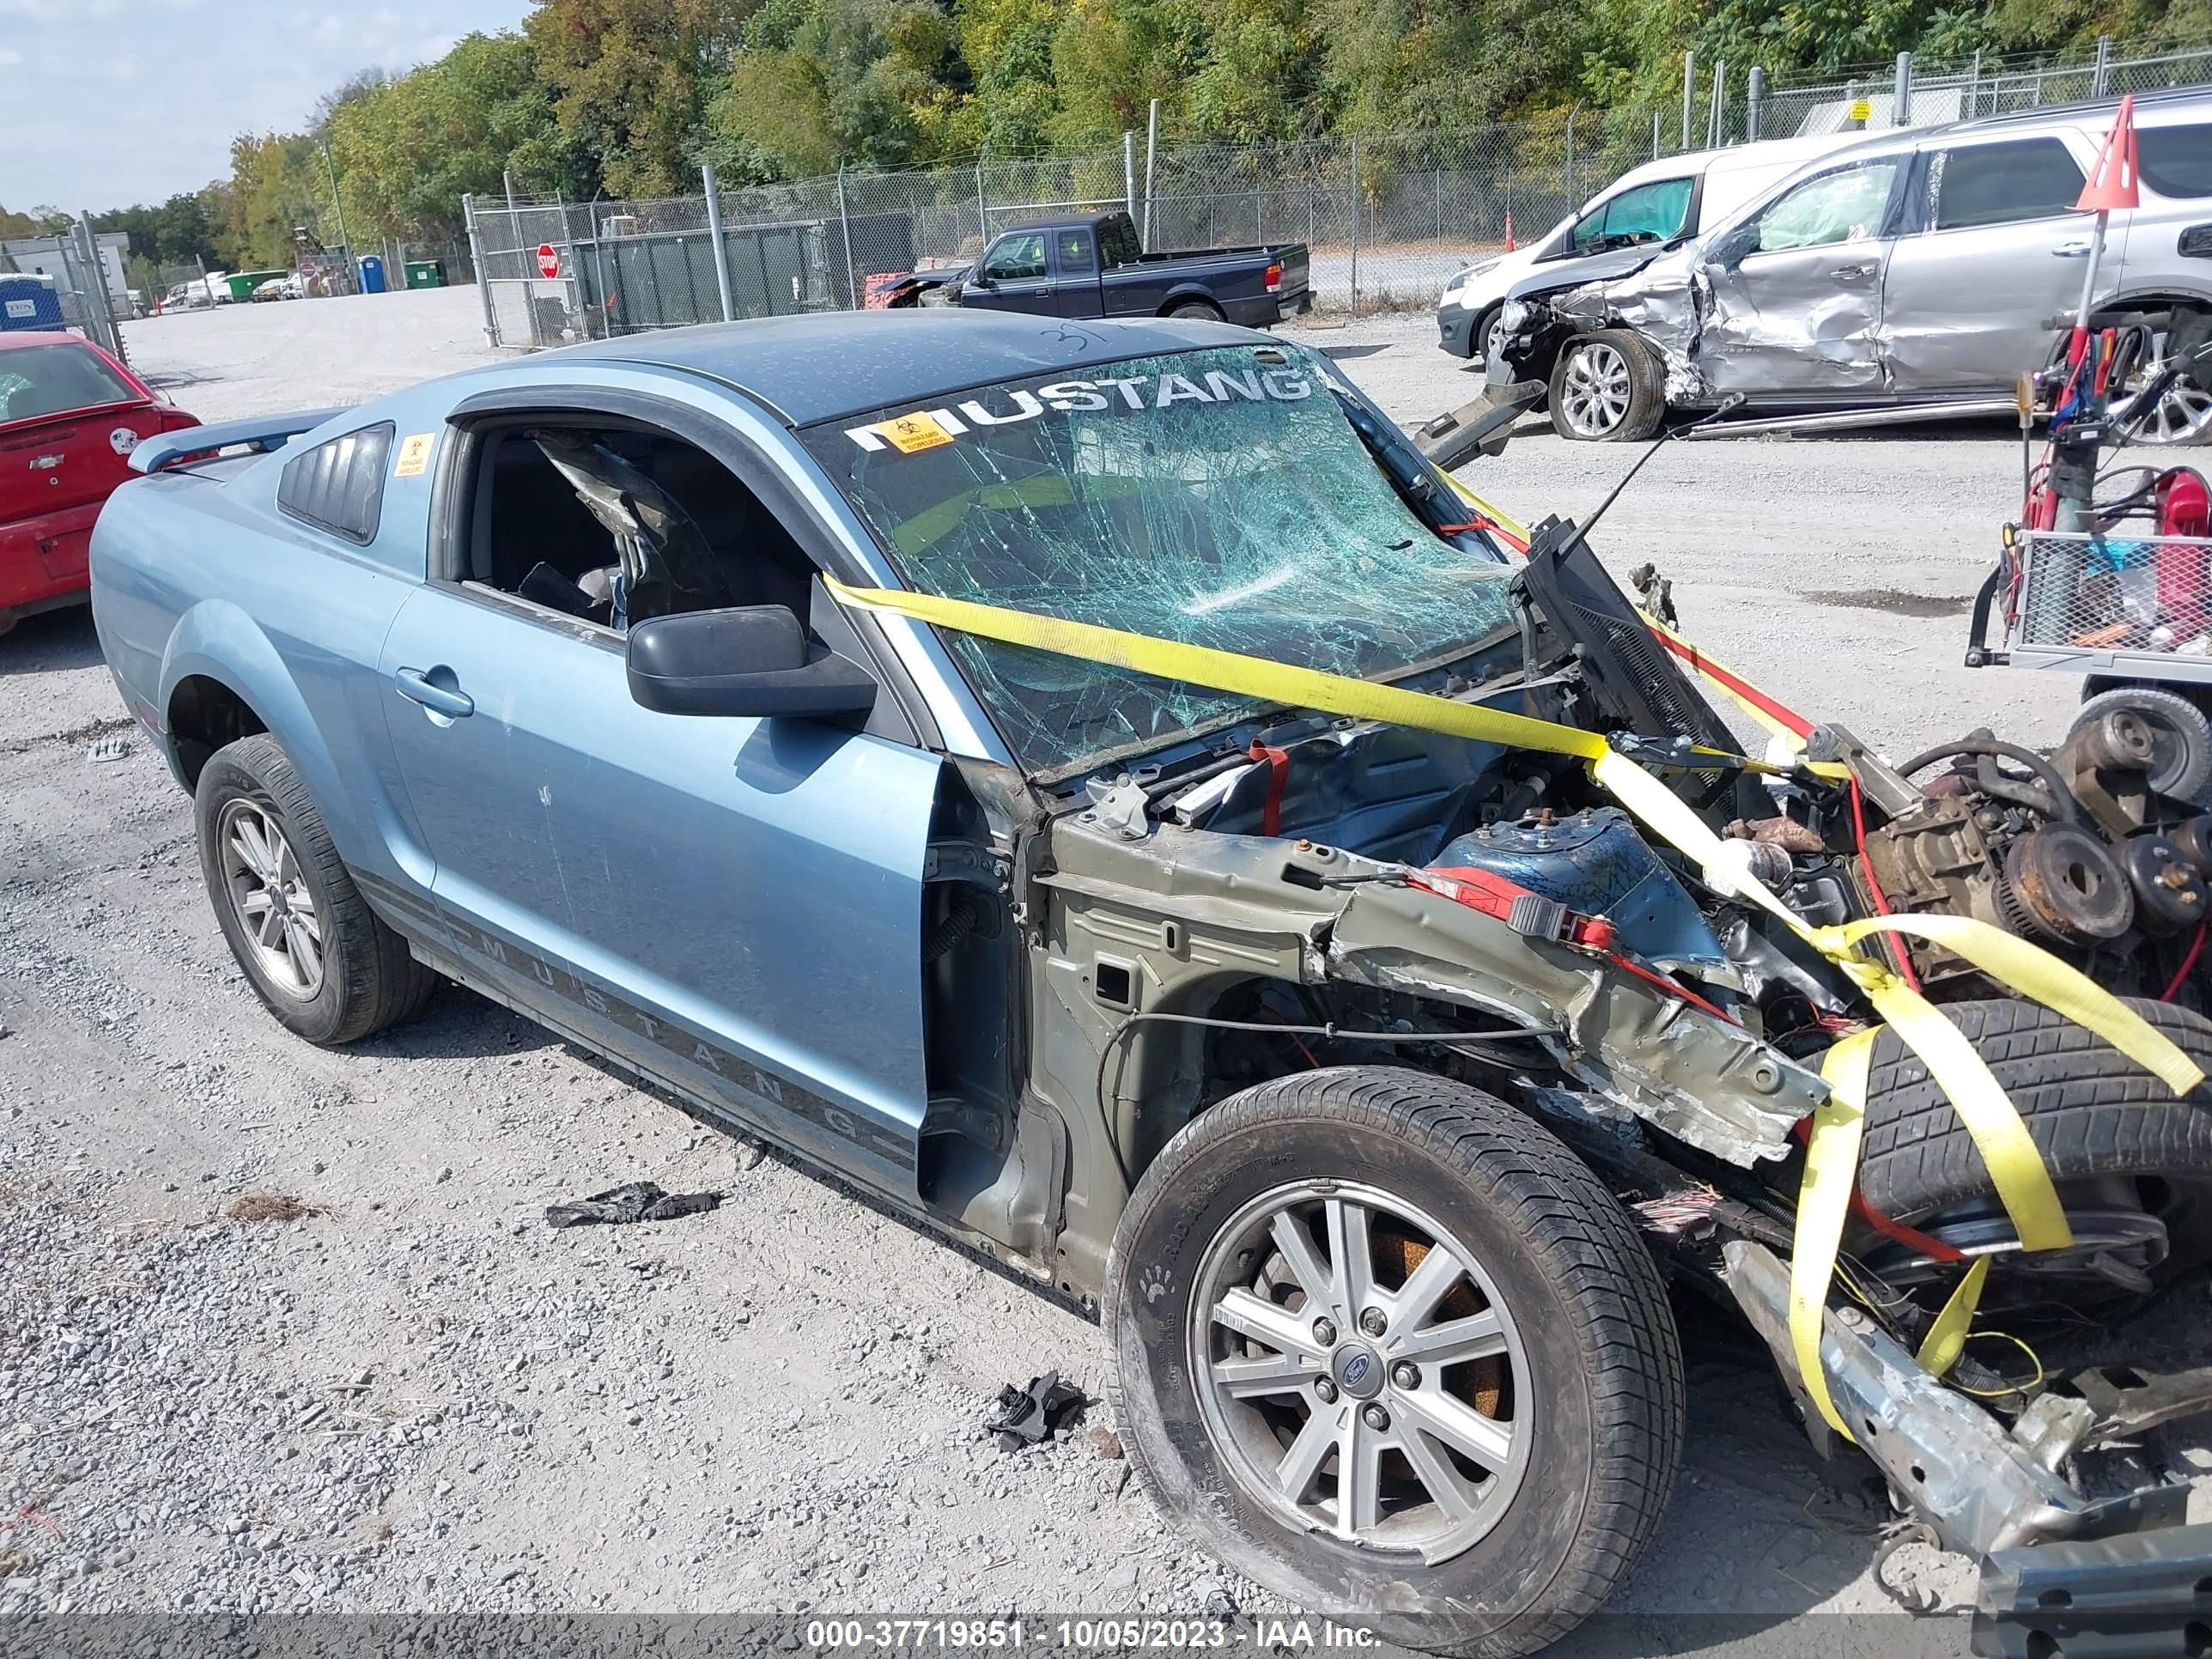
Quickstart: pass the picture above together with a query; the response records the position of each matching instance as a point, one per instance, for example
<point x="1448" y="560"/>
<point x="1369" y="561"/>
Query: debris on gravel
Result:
<point x="272" y="1207"/>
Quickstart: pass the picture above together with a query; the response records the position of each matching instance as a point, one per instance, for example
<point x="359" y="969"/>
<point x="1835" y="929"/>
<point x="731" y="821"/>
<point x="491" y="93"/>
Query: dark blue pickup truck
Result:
<point x="1091" y="264"/>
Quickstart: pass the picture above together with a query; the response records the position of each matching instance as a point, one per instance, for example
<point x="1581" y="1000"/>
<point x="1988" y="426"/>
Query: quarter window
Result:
<point x="339" y="485"/>
<point x="2001" y="183"/>
<point x="2176" y="161"/>
<point x="1847" y="205"/>
<point x="1017" y="259"/>
<point x="1117" y="240"/>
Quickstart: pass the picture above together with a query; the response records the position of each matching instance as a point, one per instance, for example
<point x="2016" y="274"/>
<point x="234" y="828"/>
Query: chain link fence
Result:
<point x="74" y="279"/>
<point x="1388" y="217"/>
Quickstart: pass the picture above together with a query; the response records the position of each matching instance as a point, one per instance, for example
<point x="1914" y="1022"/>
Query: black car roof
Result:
<point x="816" y="368"/>
<point x="1096" y="217"/>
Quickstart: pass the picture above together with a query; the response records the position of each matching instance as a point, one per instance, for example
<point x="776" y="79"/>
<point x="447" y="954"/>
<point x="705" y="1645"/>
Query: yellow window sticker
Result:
<point x="414" y="455"/>
<point x="909" y="432"/>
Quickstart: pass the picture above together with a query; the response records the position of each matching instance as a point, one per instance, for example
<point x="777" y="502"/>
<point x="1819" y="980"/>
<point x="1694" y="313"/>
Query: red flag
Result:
<point x="2113" y="181"/>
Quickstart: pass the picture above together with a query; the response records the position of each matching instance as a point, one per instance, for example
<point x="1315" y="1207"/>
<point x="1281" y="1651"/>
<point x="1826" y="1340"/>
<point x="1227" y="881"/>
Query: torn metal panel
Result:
<point x="1714" y="1085"/>
<point x="1943" y="1454"/>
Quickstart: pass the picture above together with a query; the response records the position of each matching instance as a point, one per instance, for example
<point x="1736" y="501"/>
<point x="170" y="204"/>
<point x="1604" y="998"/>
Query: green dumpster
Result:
<point x="426" y="273"/>
<point x="241" y="283"/>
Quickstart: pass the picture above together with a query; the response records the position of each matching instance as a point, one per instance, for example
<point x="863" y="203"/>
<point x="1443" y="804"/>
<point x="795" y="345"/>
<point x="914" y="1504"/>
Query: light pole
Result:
<point x="353" y="276"/>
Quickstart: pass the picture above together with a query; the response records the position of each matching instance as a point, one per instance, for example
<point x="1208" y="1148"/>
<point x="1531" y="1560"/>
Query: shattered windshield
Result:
<point x="1217" y="497"/>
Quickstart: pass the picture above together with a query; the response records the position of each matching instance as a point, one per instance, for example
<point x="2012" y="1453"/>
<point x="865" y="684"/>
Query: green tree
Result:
<point x="1111" y="58"/>
<point x="273" y="193"/>
<point x="631" y="80"/>
<point x="821" y="83"/>
<point x="406" y="150"/>
<point x="1261" y="71"/>
<point x="1007" y="45"/>
<point x="38" y="221"/>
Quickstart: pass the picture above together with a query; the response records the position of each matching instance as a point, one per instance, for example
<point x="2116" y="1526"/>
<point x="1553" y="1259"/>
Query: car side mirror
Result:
<point x="751" y="660"/>
<point x="977" y="279"/>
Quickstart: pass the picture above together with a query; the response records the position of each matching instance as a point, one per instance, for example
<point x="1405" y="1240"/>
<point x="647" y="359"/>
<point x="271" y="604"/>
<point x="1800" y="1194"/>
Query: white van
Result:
<point x="1660" y="202"/>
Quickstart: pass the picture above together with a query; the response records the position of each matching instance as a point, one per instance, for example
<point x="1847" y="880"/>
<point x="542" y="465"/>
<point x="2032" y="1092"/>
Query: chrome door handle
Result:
<point x="416" y="686"/>
<point x="2073" y="248"/>
<point x="1851" y="273"/>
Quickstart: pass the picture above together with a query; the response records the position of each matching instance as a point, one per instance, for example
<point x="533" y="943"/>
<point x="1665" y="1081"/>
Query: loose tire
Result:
<point x="313" y="951"/>
<point x="1608" y="387"/>
<point x="1536" y="1373"/>
<point x="2179" y="731"/>
<point x="2121" y="1148"/>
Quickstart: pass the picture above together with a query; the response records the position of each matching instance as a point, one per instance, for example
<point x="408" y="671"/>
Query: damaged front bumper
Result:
<point x="2061" y="1573"/>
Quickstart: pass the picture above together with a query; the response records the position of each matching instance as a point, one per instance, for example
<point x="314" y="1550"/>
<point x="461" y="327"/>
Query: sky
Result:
<point x="106" y="103"/>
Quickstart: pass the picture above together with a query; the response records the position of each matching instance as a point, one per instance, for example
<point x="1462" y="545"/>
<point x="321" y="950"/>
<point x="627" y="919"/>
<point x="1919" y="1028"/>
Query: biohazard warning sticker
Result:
<point x="414" y="455"/>
<point x="918" y="431"/>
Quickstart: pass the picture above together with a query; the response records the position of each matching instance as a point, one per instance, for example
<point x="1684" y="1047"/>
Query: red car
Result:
<point x="69" y="417"/>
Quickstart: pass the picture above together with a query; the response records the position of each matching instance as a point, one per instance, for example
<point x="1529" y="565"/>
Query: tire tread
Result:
<point x="2089" y="1108"/>
<point x="383" y="983"/>
<point x="1549" y="1196"/>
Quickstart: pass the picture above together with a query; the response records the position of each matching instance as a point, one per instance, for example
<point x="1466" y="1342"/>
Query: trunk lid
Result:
<point x="68" y="424"/>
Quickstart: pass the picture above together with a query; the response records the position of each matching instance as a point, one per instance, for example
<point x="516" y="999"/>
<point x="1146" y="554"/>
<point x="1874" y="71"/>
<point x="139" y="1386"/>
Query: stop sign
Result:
<point x="548" y="261"/>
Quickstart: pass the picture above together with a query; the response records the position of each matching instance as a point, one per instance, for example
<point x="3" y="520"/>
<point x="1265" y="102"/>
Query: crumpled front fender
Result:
<point x="1667" y="303"/>
<point x="1707" y="1082"/>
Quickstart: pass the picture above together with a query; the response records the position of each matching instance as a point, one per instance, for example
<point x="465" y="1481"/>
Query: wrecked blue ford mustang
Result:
<point x="1373" y="1084"/>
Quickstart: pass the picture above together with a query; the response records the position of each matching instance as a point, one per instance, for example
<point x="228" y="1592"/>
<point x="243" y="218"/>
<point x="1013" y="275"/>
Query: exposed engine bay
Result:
<point x="2074" y="852"/>
<point x="1351" y="892"/>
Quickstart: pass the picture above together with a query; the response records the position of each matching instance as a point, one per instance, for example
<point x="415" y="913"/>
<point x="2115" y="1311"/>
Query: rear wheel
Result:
<point x="312" y="949"/>
<point x="1198" y="309"/>
<point x="1387" y="1347"/>
<point x="1608" y="387"/>
<point x="2132" y="1164"/>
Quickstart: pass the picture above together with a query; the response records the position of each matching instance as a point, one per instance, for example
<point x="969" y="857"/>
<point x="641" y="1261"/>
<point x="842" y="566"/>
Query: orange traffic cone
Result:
<point x="1509" y="230"/>
<point x="2112" y="180"/>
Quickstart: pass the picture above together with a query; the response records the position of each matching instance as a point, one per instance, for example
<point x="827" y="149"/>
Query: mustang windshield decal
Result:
<point x="1217" y="497"/>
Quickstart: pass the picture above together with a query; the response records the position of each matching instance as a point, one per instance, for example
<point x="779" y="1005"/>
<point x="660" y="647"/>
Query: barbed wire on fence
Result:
<point x="1388" y="217"/>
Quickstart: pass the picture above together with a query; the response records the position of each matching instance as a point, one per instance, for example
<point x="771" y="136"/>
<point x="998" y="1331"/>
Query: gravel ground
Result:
<point x="413" y="1396"/>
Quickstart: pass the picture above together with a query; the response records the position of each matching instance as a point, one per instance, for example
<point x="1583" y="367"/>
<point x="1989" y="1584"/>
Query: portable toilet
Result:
<point x="29" y="301"/>
<point x="372" y="273"/>
<point x="426" y="273"/>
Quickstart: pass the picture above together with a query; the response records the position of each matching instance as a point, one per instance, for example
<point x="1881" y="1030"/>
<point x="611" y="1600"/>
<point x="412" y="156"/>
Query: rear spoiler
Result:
<point x="262" y="432"/>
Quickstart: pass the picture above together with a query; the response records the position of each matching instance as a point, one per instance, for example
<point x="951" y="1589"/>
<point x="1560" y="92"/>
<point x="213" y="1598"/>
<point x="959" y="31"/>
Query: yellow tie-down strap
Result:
<point x="1832" y="1160"/>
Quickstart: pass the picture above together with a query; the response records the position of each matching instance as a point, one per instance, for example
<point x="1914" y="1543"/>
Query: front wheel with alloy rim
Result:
<point x="312" y="949"/>
<point x="1608" y="387"/>
<point x="1372" y="1326"/>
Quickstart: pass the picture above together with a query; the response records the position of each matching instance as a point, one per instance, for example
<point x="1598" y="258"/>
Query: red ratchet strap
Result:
<point x="1673" y="987"/>
<point x="1535" y="916"/>
<point x="1911" y="1237"/>
<point x="1522" y="911"/>
<point x="1518" y="543"/>
<point x="1271" y="815"/>
<point x="1780" y="713"/>
<point x="2181" y="973"/>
